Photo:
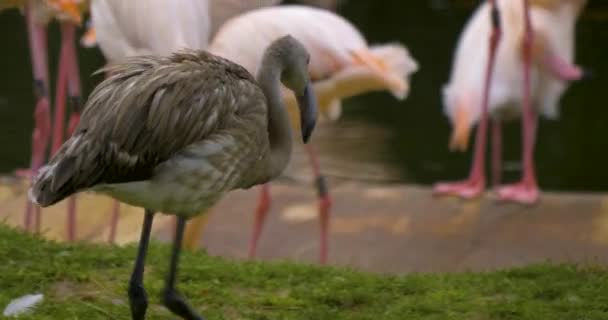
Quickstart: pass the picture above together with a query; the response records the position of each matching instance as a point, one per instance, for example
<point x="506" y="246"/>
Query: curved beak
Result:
<point x="307" y="102"/>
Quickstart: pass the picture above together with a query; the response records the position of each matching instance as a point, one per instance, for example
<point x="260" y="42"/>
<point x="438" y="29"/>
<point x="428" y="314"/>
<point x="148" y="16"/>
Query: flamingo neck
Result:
<point x="279" y="130"/>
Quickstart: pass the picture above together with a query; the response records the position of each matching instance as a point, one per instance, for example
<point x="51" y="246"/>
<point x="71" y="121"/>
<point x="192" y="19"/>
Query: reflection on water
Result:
<point x="379" y="138"/>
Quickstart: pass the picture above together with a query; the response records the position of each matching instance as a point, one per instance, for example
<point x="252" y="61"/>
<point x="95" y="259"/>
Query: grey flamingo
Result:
<point x="173" y="134"/>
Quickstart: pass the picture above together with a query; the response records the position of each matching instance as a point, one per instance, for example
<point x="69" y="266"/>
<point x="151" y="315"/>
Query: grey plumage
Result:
<point x="186" y="119"/>
<point x="174" y="134"/>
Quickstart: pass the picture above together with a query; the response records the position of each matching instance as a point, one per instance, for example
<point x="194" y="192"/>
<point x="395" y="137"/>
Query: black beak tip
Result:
<point x="307" y="131"/>
<point x="308" y="112"/>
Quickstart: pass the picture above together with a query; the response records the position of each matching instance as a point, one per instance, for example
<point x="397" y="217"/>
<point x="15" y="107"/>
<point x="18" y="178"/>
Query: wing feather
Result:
<point x="147" y="111"/>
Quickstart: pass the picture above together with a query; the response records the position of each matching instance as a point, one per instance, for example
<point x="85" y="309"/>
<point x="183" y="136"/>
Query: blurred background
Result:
<point x="380" y="156"/>
<point x="379" y="138"/>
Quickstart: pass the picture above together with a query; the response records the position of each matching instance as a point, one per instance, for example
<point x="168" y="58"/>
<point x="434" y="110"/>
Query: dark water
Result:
<point x="571" y="153"/>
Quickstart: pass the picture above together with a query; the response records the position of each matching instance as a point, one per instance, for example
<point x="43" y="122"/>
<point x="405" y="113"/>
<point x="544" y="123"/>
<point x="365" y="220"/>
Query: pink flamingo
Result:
<point x="38" y="13"/>
<point x="529" y="65"/>
<point x="342" y="65"/>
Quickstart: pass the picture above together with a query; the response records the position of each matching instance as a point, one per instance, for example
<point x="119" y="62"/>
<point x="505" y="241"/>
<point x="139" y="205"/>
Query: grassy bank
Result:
<point x="89" y="282"/>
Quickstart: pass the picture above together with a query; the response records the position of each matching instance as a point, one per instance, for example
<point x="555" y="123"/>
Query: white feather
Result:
<point x="466" y="82"/>
<point x="331" y="41"/>
<point x="22" y="305"/>
<point x="136" y="27"/>
<point x="127" y="28"/>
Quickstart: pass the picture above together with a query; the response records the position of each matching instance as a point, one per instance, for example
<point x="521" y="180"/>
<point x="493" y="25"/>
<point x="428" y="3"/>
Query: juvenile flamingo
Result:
<point x="121" y="30"/>
<point x="173" y="134"/>
<point x="342" y="65"/>
<point x="528" y="66"/>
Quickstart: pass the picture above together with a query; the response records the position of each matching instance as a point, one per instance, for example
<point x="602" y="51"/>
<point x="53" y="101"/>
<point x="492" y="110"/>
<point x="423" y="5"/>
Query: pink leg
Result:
<point x="42" y="114"/>
<point x="27" y="217"/>
<point x="114" y="222"/>
<point x="68" y="31"/>
<point x="37" y="158"/>
<point x="475" y="184"/>
<point x="496" y="152"/>
<point x="74" y="91"/>
<point x="60" y="93"/>
<point x="38" y="220"/>
<point x="526" y="191"/>
<point x="116" y="207"/>
<point x="69" y="37"/>
<point x="40" y="142"/>
<point x="71" y="235"/>
<point x="43" y="124"/>
<point x="63" y="72"/>
<point x="260" y="216"/>
<point x="324" y="201"/>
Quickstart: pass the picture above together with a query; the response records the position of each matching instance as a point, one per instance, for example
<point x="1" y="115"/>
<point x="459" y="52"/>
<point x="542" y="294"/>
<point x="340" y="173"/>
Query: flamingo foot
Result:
<point x="469" y="189"/>
<point x="522" y="192"/>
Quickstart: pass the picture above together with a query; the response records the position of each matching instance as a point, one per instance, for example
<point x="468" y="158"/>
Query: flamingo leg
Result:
<point x="60" y="92"/>
<point x="475" y="184"/>
<point x="260" y="216"/>
<point x="63" y="82"/>
<point x="75" y="100"/>
<point x="138" y="298"/>
<point x="71" y="210"/>
<point x="37" y="221"/>
<point x="40" y="144"/>
<point x="42" y="114"/>
<point x="324" y="201"/>
<point x="170" y="297"/>
<point x="38" y="148"/>
<point x="114" y="222"/>
<point x="526" y="191"/>
<point x="496" y="152"/>
<point x="74" y="89"/>
<point x="115" y="217"/>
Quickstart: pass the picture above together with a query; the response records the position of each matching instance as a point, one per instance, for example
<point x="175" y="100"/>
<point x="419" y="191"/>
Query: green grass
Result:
<point x="89" y="282"/>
